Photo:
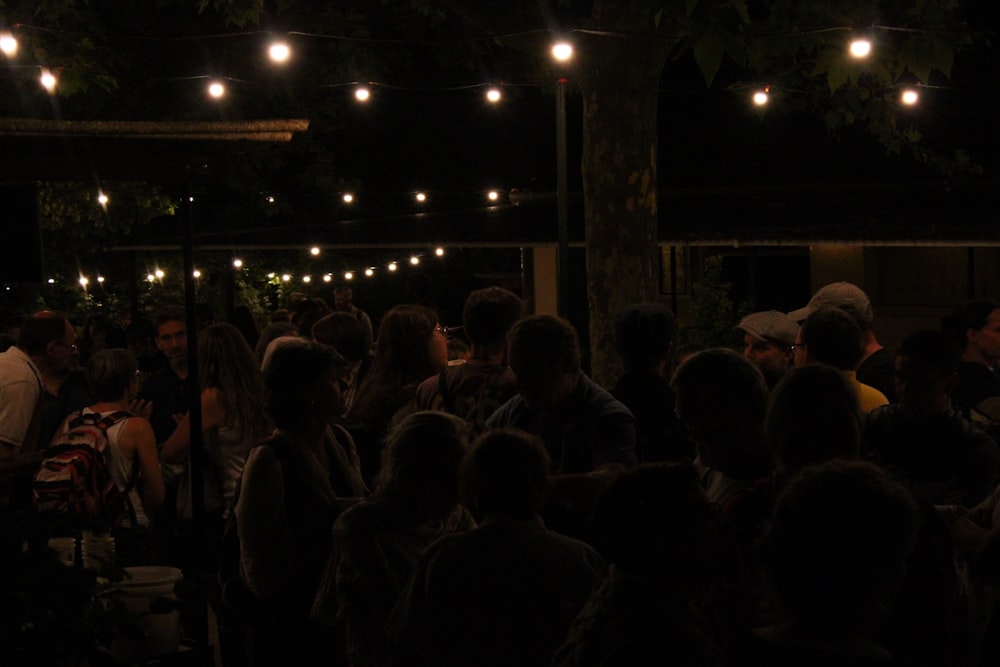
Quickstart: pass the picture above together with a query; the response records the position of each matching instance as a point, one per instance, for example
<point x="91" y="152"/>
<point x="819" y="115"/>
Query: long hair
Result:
<point x="226" y="362"/>
<point x="402" y="359"/>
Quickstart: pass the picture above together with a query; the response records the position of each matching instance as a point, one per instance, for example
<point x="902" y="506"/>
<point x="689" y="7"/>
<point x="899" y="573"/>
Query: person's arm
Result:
<point x="176" y="447"/>
<point x="266" y="564"/>
<point x="138" y="434"/>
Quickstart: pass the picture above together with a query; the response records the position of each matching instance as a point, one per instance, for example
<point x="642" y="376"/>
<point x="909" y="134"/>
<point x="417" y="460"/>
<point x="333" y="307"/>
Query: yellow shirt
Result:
<point x="869" y="397"/>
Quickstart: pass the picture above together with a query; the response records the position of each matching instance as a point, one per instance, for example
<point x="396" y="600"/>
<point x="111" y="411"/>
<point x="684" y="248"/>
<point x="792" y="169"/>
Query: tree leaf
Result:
<point x="708" y="51"/>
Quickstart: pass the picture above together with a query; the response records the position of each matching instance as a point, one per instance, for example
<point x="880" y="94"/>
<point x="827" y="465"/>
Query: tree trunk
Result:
<point x="620" y="90"/>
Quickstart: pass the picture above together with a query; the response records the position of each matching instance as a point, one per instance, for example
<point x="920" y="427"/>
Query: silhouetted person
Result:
<point x="977" y="394"/>
<point x="644" y="338"/>
<point x="343" y="303"/>
<point x="346" y="334"/>
<point x="506" y="592"/>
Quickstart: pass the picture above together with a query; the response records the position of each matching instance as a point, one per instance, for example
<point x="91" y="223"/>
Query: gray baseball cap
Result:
<point x="849" y="298"/>
<point x="770" y="325"/>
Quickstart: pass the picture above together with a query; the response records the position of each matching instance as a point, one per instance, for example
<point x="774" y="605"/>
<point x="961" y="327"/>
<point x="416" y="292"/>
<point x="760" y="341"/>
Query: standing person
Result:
<point x="475" y="389"/>
<point x="644" y="340"/>
<point x="233" y="420"/>
<point x="977" y="393"/>
<point x="344" y="333"/>
<point x="343" y="303"/>
<point x="874" y="367"/>
<point x="768" y="337"/>
<point x="506" y="592"/>
<point x="46" y="347"/>
<point x="585" y="429"/>
<point x="411" y="347"/>
<point x="168" y="389"/>
<point x="286" y="504"/>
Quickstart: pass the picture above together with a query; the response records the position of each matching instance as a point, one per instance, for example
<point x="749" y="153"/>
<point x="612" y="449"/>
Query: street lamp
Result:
<point x="562" y="52"/>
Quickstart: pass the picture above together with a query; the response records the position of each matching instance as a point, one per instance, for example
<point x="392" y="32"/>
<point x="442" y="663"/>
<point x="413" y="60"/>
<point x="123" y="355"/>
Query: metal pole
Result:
<point x="196" y="455"/>
<point x="562" y="199"/>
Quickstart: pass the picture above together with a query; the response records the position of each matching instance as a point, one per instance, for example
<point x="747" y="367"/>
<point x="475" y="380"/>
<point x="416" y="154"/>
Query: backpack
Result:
<point x="74" y="476"/>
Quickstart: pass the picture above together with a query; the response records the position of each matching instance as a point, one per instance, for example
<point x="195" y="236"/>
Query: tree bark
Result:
<point x="620" y="91"/>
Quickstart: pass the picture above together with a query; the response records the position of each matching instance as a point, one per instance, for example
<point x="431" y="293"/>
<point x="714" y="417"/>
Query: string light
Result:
<point x="216" y="89"/>
<point x="271" y="275"/>
<point x="414" y="260"/>
<point x="100" y="279"/>
<point x="393" y="266"/>
<point x="493" y="95"/>
<point x="52" y="281"/>
<point x="909" y="97"/>
<point x="761" y="97"/>
<point x="860" y="48"/>
<point x="348" y="198"/>
<point x="493" y="195"/>
<point x="8" y="44"/>
<point x="285" y="277"/>
<point x="307" y="279"/>
<point x="421" y="197"/>
<point x="348" y="275"/>
<point x="150" y="278"/>
<point x="369" y="272"/>
<point x="279" y="52"/>
<point x="361" y="94"/>
<point x="102" y="199"/>
<point x="237" y="263"/>
<point x="48" y="81"/>
<point x="158" y="274"/>
<point x="327" y="277"/>
<point x="439" y="251"/>
<point x="562" y="51"/>
<point x="84" y="282"/>
<point x="314" y="251"/>
<point x="196" y="274"/>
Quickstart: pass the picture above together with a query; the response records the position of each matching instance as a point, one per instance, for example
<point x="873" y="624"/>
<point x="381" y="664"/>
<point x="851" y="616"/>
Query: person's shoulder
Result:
<point x="507" y="413"/>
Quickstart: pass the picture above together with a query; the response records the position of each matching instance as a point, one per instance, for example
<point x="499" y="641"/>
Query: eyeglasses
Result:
<point x="448" y="331"/>
<point x="796" y="346"/>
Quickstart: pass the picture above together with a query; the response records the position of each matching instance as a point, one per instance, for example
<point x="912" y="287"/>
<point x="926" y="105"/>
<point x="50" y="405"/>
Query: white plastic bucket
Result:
<point x="161" y="631"/>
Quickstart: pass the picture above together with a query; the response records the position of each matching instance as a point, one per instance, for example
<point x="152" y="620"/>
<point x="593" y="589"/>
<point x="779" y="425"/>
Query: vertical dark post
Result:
<point x="196" y="460"/>
<point x="970" y="278"/>
<point x="673" y="278"/>
<point x="562" y="199"/>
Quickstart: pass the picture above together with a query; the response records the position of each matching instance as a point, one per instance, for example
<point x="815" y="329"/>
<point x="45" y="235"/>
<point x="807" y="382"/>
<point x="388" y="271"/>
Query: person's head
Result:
<point x="833" y="555"/>
<point x="812" y="417"/>
<point x="721" y="399"/>
<point x="113" y="375"/>
<point x="270" y="333"/>
<point x="489" y="314"/>
<point x="644" y="336"/>
<point x="342" y="331"/>
<point x="655" y="521"/>
<point x="307" y="313"/>
<point x="420" y="464"/>
<point x="343" y="299"/>
<point x="545" y="356"/>
<point x="303" y="383"/>
<point x="979" y="324"/>
<point x="767" y="342"/>
<point x="50" y="340"/>
<point x="411" y="344"/>
<point x="505" y="472"/>
<point x="830" y="336"/>
<point x="847" y="297"/>
<point x="171" y="335"/>
<point x="926" y="372"/>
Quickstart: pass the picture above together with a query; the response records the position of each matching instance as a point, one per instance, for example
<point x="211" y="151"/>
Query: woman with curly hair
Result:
<point x="411" y="347"/>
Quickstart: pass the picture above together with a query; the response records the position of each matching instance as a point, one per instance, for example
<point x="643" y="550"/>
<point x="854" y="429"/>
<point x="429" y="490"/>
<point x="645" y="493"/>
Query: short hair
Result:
<point x="718" y="382"/>
<point x="974" y="316"/>
<point x="837" y="533"/>
<point x="342" y="331"/>
<point x="420" y="464"/>
<point x="507" y="472"/>
<point x="489" y="314"/>
<point x="291" y="373"/>
<point x="812" y="417"/>
<point x="833" y="337"/>
<point x="548" y="339"/>
<point x="644" y="334"/>
<point x="933" y="348"/>
<point x="271" y="332"/>
<point x="343" y="291"/>
<point x="308" y="312"/>
<point x="168" y="314"/>
<point x="110" y="372"/>
<point x="39" y="330"/>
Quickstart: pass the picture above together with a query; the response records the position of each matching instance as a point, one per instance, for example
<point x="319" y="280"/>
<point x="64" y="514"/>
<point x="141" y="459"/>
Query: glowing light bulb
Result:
<point x="348" y="275"/>
<point x="493" y="195"/>
<point x="361" y="94"/>
<point x="327" y="277"/>
<point x="271" y="275"/>
<point x="562" y="51"/>
<point x="279" y="52"/>
<point x="83" y="281"/>
<point x="8" y="44"/>
<point x="269" y="199"/>
<point x="393" y="266"/>
<point x="369" y="272"/>
<point x="439" y="252"/>
<point x="196" y="273"/>
<point x="909" y="97"/>
<point x="307" y="279"/>
<point x="150" y="278"/>
<point x="159" y="274"/>
<point x="414" y="260"/>
<point x="860" y="48"/>
<point x="102" y="199"/>
<point x="314" y="251"/>
<point x="760" y="98"/>
<point x="52" y="281"/>
<point x="237" y="263"/>
<point x="421" y="197"/>
<point x="216" y="89"/>
<point x="48" y="81"/>
<point x="100" y="279"/>
<point x="348" y="197"/>
<point x="285" y="277"/>
<point x="493" y="95"/>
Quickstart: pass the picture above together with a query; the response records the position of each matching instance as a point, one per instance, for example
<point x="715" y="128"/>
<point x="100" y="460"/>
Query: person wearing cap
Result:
<point x="876" y="367"/>
<point x="768" y="337"/>
<point x="644" y="340"/>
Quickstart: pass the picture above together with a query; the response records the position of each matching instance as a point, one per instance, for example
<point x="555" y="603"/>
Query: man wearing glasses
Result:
<point x="46" y="349"/>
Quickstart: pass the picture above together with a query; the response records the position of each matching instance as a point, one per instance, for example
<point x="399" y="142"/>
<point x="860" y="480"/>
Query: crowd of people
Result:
<point x="388" y="497"/>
